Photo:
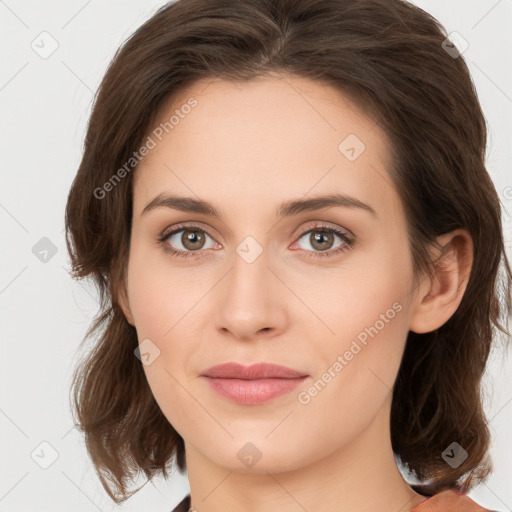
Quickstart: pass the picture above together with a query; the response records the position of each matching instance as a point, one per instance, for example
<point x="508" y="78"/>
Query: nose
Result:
<point x="251" y="301"/>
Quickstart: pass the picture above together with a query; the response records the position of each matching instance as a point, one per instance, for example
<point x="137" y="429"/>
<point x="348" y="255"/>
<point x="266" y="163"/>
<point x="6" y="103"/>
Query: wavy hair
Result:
<point x="389" y="57"/>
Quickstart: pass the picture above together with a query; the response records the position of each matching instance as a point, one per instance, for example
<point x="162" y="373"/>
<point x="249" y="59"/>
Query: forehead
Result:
<point x="265" y="140"/>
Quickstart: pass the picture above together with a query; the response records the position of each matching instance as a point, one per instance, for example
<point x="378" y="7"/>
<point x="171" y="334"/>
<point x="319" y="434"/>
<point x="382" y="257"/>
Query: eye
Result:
<point x="191" y="238"/>
<point x="322" y="240"/>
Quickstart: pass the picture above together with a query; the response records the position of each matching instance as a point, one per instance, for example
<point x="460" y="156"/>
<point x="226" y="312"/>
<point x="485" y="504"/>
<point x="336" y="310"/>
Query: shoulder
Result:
<point x="183" y="505"/>
<point x="451" y="501"/>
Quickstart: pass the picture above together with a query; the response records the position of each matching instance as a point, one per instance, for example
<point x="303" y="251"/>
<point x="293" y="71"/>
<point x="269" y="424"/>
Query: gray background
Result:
<point x="45" y="105"/>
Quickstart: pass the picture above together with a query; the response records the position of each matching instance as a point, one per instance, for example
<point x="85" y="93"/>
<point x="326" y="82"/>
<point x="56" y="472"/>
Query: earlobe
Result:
<point x="125" y="305"/>
<point x="440" y="295"/>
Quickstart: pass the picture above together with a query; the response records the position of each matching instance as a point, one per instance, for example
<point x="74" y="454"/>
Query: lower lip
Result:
<point x="251" y="392"/>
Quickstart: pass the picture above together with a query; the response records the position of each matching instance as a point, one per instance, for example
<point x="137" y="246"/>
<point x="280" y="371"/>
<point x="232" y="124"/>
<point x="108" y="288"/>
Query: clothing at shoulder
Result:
<point x="183" y="505"/>
<point x="449" y="501"/>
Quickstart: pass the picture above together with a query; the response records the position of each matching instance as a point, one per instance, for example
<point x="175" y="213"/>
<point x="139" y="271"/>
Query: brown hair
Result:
<point x="388" y="57"/>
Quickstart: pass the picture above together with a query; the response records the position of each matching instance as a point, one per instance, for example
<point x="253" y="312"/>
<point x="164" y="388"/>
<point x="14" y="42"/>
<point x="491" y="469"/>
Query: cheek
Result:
<point x="148" y="302"/>
<point x="366" y="312"/>
<point x="160" y="293"/>
<point x="351" y="298"/>
<point x="355" y="368"/>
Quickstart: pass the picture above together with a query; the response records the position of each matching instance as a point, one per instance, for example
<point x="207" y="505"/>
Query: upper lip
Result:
<point x="255" y="371"/>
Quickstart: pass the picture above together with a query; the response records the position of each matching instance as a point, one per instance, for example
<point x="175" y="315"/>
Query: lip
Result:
<point x="255" y="371"/>
<point x="254" y="384"/>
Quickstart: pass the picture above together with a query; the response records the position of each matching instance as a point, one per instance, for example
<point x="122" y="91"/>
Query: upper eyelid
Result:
<point x="180" y="227"/>
<point x="310" y="226"/>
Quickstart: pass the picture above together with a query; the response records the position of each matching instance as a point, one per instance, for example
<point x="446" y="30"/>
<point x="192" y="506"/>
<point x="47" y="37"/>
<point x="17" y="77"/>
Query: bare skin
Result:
<point x="246" y="148"/>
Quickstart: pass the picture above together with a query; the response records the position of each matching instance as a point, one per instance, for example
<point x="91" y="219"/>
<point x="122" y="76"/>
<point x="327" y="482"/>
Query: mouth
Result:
<point x="255" y="371"/>
<point x="252" y="385"/>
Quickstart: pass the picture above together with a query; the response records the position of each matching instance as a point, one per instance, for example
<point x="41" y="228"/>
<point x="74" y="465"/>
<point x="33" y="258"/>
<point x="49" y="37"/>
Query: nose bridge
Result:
<point x="250" y="297"/>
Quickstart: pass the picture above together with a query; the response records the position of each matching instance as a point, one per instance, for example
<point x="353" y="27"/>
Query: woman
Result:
<point x="286" y="209"/>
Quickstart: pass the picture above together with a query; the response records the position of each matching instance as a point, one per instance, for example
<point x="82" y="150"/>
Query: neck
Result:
<point x="360" y="476"/>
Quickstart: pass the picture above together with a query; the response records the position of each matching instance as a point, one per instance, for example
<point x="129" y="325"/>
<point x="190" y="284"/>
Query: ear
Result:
<point x="439" y="296"/>
<point x="125" y="305"/>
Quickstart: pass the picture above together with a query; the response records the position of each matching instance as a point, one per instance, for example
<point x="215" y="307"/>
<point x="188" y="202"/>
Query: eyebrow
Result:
<point x="286" y="209"/>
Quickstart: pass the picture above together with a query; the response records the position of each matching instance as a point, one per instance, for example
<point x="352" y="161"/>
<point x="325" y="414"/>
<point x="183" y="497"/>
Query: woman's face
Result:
<point x="258" y="286"/>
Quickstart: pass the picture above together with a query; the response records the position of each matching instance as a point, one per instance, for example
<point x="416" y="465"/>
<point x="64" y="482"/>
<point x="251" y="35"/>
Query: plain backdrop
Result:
<point x="45" y="102"/>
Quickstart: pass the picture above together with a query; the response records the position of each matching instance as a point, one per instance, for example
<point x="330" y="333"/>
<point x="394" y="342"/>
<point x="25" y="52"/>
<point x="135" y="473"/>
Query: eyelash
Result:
<point x="348" y="242"/>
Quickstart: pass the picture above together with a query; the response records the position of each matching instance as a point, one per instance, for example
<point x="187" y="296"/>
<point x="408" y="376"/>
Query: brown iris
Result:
<point x="319" y="238"/>
<point x="192" y="239"/>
